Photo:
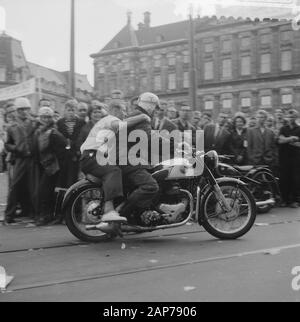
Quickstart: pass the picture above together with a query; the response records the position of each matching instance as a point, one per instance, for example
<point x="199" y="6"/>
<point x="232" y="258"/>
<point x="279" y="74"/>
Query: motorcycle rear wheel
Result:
<point x="266" y="179"/>
<point x="243" y="206"/>
<point x="78" y="214"/>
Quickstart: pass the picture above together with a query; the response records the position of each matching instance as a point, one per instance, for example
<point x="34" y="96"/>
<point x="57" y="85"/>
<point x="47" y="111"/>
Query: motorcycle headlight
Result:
<point x="212" y="159"/>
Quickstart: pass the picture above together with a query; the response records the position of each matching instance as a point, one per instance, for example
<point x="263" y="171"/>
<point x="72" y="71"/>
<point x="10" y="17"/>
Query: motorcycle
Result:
<point x="188" y="190"/>
<point x="260" y="180"/>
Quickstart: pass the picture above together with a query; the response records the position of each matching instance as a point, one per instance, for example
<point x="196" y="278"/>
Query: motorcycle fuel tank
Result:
<point x="180" y="168"/>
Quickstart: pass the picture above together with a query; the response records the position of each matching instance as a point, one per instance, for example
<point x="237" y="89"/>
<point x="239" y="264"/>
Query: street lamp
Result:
<point x="192" y="65"/>
<point x="72" y="51"/>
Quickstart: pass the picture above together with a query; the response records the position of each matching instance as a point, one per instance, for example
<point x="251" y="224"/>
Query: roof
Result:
<point x="12" y="54"/>
<point x="128" y="37"/>
<point x="60" y="78"/>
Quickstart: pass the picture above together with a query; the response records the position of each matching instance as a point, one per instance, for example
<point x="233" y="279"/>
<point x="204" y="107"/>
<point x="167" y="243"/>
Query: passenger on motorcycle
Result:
<point x="138" y="177"/>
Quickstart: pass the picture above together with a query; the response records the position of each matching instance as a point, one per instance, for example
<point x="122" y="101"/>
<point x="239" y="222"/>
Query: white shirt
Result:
<point x="102" y="132"/>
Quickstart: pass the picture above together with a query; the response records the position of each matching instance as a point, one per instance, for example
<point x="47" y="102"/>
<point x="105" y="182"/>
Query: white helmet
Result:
<point x="22" y="102"/>
<point x="148" y="101"/>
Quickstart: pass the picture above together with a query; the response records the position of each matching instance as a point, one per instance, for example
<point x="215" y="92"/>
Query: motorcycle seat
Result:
<point x="244" y="168"/>
<point x="93" y="179"/>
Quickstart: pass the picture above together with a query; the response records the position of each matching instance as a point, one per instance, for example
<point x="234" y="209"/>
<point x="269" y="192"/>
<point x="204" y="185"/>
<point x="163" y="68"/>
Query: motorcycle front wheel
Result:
<point x="85" y="208"/>
<point x="224" y="224"/>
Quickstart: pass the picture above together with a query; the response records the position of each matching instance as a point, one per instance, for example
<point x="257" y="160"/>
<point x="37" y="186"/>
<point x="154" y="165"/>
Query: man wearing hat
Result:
<point x="20" y="142"/>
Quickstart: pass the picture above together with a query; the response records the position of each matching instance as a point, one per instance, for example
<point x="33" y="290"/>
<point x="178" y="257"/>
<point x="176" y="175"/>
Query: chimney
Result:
<point x="147" y="19"/>
<point x="129" y="13"/>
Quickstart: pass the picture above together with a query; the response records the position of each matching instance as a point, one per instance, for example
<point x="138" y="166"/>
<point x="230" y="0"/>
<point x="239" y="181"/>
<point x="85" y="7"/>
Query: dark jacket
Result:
<point x="220" y="143"/>
<point x="62" y="128"/>
<point x="166" y="124"/>
<point x="261" y="147"/>
<point x="84" y="132"/>
<point x="51" y="149"/>
<point x="238" y="146"/>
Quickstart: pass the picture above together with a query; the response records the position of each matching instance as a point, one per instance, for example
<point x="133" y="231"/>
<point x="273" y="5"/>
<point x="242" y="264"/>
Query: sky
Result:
<point x="43" y="26"/>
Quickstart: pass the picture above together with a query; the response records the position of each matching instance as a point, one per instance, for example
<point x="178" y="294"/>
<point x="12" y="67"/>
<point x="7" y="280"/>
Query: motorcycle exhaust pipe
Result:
<point x="270" y="201"/>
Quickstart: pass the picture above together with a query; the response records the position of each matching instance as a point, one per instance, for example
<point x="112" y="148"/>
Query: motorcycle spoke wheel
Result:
<point x="228" y="222"/>
<point x="87" y="209"/>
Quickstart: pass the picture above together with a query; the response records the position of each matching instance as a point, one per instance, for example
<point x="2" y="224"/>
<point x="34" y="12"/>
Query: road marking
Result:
<point x="154" y="268"/>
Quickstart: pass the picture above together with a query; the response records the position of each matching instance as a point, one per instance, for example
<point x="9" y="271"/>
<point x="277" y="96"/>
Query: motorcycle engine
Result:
<point x="170" y="210"/>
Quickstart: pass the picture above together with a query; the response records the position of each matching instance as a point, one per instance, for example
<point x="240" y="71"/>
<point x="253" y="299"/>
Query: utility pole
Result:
<point x="192" y="71"/>
<point x="72" y="51"/>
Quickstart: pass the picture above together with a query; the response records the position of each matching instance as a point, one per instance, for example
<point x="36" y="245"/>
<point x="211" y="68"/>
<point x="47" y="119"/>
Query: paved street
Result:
<point x="184" y="264"/>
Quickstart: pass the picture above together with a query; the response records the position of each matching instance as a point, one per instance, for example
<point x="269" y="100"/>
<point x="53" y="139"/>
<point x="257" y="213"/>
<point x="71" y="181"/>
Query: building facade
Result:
<point x="242" y="64"/>
<point x="50" y="84"/>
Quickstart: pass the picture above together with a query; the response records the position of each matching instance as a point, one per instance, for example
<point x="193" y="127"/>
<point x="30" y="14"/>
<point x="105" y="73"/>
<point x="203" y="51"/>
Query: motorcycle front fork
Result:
<point x="221" y="197"/>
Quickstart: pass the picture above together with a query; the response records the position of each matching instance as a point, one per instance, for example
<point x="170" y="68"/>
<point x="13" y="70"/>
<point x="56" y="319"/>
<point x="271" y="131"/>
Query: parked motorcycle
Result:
<point x="224" y="206"/>
<point x="260" y="180"/>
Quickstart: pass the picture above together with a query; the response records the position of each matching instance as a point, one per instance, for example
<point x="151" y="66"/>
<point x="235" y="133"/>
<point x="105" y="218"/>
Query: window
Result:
<point x="208" y="48"/>
<point x="226" y="45"/>
<point x="157" y="83"/>
<point x="186" y="58"/>
<point x="101" y="69"/>
<point x="286" y="35"/>
<point x="208" y="105"/>
<point x="2" y="74"/>
<point x="265" y="38"/>
<point x="245" y="42"/>
<point x="186" y="79"/>
<point x="266" y="101"/>
<point x="265" y="63"/>
<point x="208" y="70"/>
<point x="227" y="103"/>
<point x="159" y="38"/>
<point x="286" y="60"/>
<point x="226" y="68"/>
<point x="287" y="99"/>
<point x="246" y="102"/>
<point x="157" y="62"/>
<point x="126" y="64"/>
<point x="246" y="65"/>
<point x="144" y="83"/>
<point x="171" y="61"/>
<point x="172" y="81"/>
<point x="144" y="63"/>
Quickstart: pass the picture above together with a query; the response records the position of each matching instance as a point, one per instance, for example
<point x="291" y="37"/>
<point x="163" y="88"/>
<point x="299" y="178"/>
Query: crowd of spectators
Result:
<point x="42" y="152"/>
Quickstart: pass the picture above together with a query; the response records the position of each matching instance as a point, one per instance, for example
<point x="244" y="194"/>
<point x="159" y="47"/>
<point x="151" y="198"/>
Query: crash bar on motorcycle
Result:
<point x="270" y="201"/>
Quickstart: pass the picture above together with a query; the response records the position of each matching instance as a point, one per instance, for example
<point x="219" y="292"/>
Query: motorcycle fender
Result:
<point x="72" y="190"/>
<point x="228" y="180"/>
<point x="253" y="171"/>
<point x="221" y="180"/>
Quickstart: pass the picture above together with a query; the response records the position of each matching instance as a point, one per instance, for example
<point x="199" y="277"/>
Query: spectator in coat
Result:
<point x="252" y="122"/>
<point x="161" y="121"/>
<point x="95" y="113"/>
<point x="289" y="161"/>
<point x="205" y="120"/>
<point x="50" y="148"/>
<point x="261" y="143"/>
<point x="238" y="140"/>
<point x="70" y="126"/>
<point x="20" y="142"/>
<point x="216" y="136"/>
<point x="83" y="112"/>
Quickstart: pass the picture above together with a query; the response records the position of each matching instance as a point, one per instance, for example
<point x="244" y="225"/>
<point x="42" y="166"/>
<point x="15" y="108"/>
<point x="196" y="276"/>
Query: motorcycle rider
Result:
<point x="95" y="148"/>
